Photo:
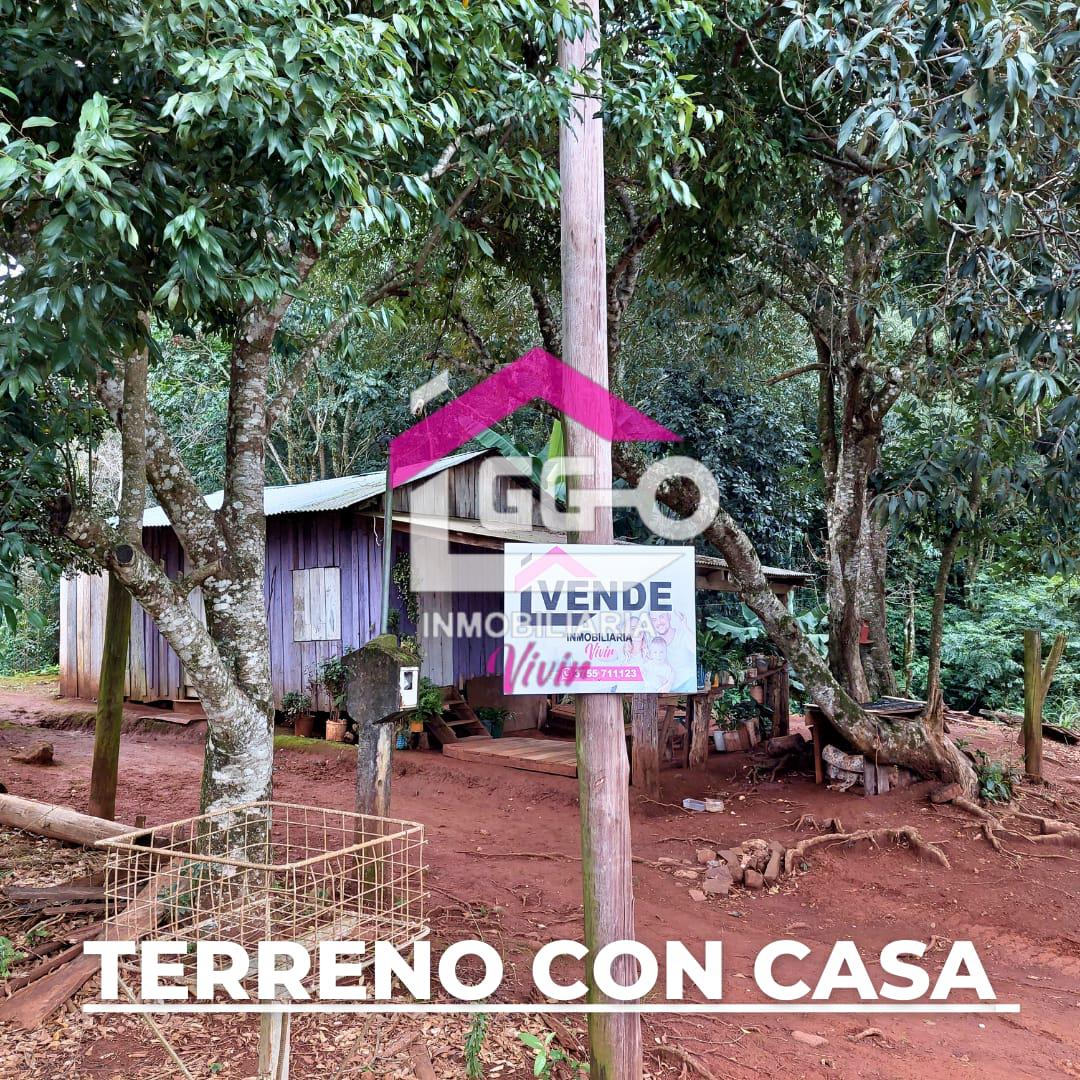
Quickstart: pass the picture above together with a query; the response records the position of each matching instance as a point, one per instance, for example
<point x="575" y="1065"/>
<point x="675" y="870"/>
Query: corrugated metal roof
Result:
<point x="537" y="535"/>
<point x="320" y="495"/>
<point x="711" y="562"/>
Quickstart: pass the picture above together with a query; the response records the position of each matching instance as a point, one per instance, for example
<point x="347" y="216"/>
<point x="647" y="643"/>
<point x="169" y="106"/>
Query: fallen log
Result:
<point x="56" y="822"/>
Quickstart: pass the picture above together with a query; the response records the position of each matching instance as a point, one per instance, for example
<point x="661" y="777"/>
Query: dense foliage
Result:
<point x="983" y="647"/>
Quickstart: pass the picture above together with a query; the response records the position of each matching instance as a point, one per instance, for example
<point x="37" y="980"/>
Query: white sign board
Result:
<point x="598" y="619"/>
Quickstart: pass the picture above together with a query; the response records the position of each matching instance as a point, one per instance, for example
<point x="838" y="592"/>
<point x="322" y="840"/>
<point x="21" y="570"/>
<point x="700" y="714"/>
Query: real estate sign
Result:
<point x="598" y="619"/>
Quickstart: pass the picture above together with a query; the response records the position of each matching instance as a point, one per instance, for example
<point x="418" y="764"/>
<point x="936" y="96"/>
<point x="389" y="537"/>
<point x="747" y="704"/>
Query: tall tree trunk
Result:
<point x="110" y="703"/>
<point x="849" y="539"/>
<point x="915" y="745"/>
<point x="114" y="656"/>
<point x="876" y="657"/>
<point x="935" y="704"/>
<point x="909" y="637"/>
<point x="603" y="769"/>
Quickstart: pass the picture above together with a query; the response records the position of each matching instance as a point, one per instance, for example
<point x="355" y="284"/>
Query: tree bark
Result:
<point x="109" y="715"/>
<point x="935" y="705"/>
<point x="1033" y="704"/>
<point x="877" y="656"/>
<point x="847" y="512"/>
<point x="603" y="769"/>
<point x="114" y="655"/>
<point x="646" y="744"/>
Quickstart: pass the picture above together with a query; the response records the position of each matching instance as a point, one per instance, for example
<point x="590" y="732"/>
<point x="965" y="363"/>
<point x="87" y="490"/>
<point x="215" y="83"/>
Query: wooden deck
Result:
<point x="556" y="756"/>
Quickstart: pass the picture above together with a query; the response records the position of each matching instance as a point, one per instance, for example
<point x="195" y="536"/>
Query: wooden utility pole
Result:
<point x="1037" y="680"/>
<point x="603" y="769"/>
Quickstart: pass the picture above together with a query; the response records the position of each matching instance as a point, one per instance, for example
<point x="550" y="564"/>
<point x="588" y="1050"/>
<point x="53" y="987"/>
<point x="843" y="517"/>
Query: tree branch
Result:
<point x="171" y="480"/>
<point x="783" y="376"/>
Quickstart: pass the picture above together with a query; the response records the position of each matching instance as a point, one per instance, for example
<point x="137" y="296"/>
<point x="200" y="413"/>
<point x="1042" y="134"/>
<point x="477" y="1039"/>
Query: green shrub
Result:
<point x="996" y="778"/>
<point x="31" y="642"/>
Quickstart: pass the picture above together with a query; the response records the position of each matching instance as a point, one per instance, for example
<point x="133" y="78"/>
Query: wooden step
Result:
<point x="440" y="731"/>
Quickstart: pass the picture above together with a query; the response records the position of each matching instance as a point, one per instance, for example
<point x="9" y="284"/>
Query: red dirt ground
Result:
<point x="1019" y="912"/>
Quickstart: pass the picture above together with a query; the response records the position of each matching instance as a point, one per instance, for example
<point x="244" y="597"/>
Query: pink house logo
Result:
<point x="537" y="374"/>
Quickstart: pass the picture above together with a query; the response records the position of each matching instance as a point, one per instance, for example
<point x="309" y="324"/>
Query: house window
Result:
<point x="317" y="604"/>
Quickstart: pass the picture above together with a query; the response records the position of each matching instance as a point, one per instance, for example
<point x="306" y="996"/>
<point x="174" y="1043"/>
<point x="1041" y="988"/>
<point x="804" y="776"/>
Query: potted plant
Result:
<point x="296" y="708"/>
<point x="333" y="677"/>
<point x="494" y="720"/>
<point x="711" y="657"/>
<point x="429" y="703"/>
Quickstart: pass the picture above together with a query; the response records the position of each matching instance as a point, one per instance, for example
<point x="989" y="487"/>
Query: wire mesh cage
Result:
<point x="268" y="871"/>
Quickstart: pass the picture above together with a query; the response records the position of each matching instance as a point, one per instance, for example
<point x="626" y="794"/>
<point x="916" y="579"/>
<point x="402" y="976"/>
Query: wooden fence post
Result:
<point x="1037" y="680"/>
<point x="645" y="751"/>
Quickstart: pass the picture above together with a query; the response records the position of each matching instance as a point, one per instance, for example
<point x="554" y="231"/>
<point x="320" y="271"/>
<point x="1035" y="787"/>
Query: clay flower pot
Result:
<point x="303" y="725"/>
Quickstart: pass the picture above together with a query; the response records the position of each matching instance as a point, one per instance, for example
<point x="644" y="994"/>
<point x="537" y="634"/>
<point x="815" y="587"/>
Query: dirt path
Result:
<point x="481" y="820"/>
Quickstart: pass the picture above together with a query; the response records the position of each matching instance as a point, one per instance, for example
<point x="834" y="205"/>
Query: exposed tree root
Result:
<point x="991" y="826"/>
<point x="904" y="834"/>
<point x="808" y="821"/>
<point x="972" y="808"/>
<point x="684" y="1058"/>
<point x="1068" y="838"/>
<point x="1047" y="825"/>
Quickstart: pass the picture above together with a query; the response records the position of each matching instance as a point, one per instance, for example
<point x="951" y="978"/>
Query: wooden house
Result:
<point x="324" y="557"/>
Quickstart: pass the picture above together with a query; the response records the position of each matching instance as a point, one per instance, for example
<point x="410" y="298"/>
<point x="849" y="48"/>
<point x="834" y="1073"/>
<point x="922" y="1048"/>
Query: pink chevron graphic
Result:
<point x="555" y="556"/>
<point x="537" y="374"/>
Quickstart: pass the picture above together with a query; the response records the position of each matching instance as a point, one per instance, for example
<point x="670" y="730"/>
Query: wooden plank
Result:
<point x="294" y="678"/>
<point x="667" y="725"/>
<point x="29" y="1007"/>
<point x="69" y="680"/>
<point x="99" y="588"/>
<point x="529" y="755"/>
<point x="437" y="648"/>
<point x="83" y="659"/>
<point x="331" y="586"/>
<point x="136" y="674"/>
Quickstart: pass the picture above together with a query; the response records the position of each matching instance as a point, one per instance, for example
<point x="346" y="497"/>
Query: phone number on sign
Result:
<point x="609" y="674"/>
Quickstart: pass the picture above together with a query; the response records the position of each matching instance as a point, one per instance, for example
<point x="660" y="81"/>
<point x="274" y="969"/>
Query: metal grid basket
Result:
<point x="268" y="871"/>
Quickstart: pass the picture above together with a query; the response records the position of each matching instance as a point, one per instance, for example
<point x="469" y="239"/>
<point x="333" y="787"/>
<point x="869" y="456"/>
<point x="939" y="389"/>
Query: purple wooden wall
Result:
<point x="346" y="539"/>
<point x="299" y="542"/>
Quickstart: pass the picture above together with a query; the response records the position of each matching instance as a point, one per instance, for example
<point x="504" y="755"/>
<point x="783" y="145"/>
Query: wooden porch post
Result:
<point x="603" y="768"/>
<point x="781" y="702"/>
<point x="645" y="766"/>
<point x="697" y="719"/>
